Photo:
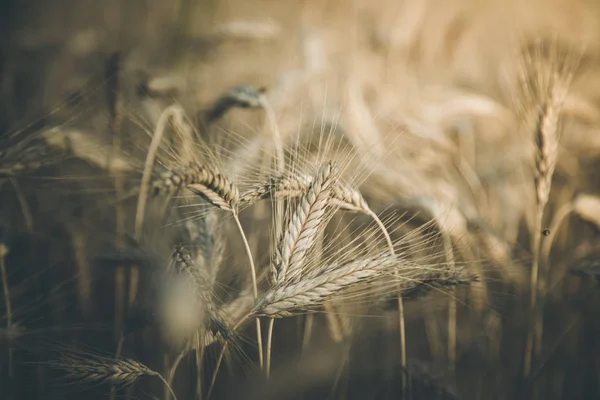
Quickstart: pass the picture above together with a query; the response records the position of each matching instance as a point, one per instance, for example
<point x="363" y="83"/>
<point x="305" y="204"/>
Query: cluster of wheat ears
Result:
<point x="213" y="237"/>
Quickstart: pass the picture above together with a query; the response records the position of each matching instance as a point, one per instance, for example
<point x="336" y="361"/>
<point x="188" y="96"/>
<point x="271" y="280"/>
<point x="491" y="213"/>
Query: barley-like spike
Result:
<point x="304" y="225"/>
<point x="26" y="156"/>
<point x="121" y="372"/>
<point x="289" y="297"/>
<point x="547" y="148"/>
<point x="211" y="185"/>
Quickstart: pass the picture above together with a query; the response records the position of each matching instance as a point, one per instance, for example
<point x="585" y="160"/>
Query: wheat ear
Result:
<point x="306" y="221"/>
<point x="291" y="297"/>
<point x="92" y="369"/>
<point x="546" y="141"/>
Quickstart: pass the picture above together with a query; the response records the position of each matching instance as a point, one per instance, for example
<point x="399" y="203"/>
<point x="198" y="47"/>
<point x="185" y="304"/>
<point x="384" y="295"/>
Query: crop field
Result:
<point x="317" y="199"/>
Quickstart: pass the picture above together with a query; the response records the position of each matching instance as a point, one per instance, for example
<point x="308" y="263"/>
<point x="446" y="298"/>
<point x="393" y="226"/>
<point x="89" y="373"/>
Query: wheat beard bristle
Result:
<point x="304" y="224"/>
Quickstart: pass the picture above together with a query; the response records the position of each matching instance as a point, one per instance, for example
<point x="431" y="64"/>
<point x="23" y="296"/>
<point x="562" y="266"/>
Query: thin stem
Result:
<point x="173" y="369"/>
<point x="452" y="330"/>
<point x="268" y="350"/>
<point x="216" y="371"/>
<point x="199" y="356"/>
<point x="167" y="385"/>
<point x="534" y="283"/>
<point x="451" y="307"/>
<point x="220" y="359"/>
<point x="308" y="324"/>
<point x="559" y="217"/>
<point x="3" y="253"/>
<point x="383" y="229"/>
<point x="254" y="286"/>
<point x="149" y="163"/>
<point x="401" y="327"/>
<point x="23" y="204"/>
<point x="278" y="206"/>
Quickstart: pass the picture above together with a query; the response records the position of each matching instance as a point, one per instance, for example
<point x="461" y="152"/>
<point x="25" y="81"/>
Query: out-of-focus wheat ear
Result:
<point x="242" y="96"/>
<point x="277" y="139"/>
<point x="122" y="372"/>
<point x="9" y="326"/>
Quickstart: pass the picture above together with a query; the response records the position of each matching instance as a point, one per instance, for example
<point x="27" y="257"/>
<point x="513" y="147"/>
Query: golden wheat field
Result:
<point x="318" y="199"/>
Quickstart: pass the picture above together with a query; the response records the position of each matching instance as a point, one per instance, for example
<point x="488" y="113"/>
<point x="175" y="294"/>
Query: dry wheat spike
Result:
<point x="214" y="187"/>
<point x="299" y="295"/>
<point x="88" y="368"/>
<point x="304" y="224"/>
